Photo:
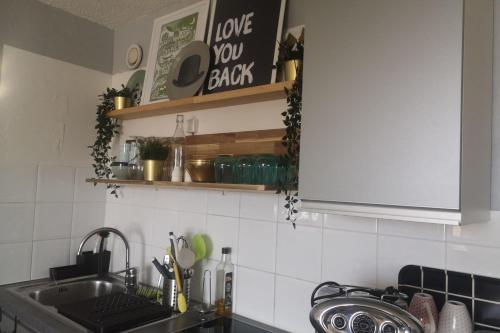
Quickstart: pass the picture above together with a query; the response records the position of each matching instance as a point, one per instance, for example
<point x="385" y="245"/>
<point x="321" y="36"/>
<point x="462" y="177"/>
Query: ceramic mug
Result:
<point x="424" y="308"/>
<point x="454" y="318"/>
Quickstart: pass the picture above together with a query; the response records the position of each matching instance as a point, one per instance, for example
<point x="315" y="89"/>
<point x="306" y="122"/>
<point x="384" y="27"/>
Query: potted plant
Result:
<point x="123" y="98"/>
<point x="154" y="152"/>
<point x="291" y="54"/>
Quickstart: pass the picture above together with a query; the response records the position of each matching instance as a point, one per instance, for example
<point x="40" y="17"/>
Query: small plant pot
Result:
<point x="153" y="170"/>
<point x="122" y="102"/>
<point x="290" y="69"/>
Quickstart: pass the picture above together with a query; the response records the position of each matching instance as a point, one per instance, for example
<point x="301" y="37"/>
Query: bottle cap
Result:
<point x="226" y="250"/>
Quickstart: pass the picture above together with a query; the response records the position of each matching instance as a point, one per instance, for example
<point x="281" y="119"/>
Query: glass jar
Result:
<point x="245" y="170"/>
<point x="266" y="169"/>
<point x="224" y="169"/>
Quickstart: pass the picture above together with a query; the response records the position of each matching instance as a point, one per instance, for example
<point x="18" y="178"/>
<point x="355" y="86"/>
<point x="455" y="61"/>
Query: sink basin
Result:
<point x="49" y="295"/>
<point x="75" y="291"/>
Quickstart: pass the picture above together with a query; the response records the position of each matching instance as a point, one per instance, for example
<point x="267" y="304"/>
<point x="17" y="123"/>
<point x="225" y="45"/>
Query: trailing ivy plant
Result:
<point x="292" y="118"/>
<point x="106" y="129"/>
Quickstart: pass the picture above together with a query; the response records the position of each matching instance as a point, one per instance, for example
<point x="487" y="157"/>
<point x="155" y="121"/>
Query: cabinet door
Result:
<point x="382" y="102"/>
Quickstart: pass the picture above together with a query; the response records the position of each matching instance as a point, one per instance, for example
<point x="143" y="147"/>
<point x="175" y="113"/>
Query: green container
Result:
<point x="266" y="169"/>
<point x="245" y="170"/>
<point x="224" y="169"/>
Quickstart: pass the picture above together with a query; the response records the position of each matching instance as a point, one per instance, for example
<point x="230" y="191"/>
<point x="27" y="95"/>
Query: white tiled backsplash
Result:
<point x="44" y="211"/>
<point x="277" y="267"/>
<point x="44" y="220"/>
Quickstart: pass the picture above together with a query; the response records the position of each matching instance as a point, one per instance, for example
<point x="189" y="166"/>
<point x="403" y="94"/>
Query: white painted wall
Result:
<point x="47" y="115"/>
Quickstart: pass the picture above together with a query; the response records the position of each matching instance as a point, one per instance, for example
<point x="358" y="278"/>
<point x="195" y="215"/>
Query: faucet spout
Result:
<point x="130" y="273"/>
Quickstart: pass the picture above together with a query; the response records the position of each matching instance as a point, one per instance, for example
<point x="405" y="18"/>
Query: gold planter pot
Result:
<point x="291" y="67"/>
<point x="153" y="170"/>
<point x="122" y="102"/>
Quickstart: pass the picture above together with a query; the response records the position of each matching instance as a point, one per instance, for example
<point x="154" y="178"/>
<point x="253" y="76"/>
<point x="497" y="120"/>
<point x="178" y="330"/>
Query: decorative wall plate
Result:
<point x="133" y="57"/>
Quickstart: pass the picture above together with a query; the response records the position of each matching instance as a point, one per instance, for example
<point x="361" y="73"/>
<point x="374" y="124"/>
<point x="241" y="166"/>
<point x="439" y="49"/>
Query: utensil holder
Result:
<point x="169" y="298"/>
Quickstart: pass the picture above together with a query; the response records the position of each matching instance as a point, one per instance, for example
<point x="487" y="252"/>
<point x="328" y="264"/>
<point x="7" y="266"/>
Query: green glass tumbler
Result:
<point x="245" y="170"/>
<point x="224" y="169"/>
<point x="266" y="169"/>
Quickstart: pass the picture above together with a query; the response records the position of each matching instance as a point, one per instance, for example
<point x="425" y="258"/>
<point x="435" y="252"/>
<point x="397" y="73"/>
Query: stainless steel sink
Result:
<point x="51" y="294"/>
<point x="76" y="291"/>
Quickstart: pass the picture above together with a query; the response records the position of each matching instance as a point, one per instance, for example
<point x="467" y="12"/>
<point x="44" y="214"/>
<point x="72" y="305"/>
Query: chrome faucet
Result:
<point x="130" y="273"/>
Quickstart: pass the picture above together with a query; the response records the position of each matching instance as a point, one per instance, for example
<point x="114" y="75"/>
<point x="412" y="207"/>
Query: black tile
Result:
<point x="487" y="313"/>
<point x="434" y="279"/>
<point x="466" y="301"/>
<point x="439" y="298"/>
<point x="410" y="275"/>
<point x="459" y="283"/>
<point x="487" y="288"/>
<point x="478" y="328"/>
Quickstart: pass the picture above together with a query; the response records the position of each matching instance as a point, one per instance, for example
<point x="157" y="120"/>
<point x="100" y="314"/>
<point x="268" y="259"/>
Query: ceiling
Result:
<point x="110" y="13"/>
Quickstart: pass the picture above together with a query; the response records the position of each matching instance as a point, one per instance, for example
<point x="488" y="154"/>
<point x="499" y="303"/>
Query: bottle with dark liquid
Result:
<point x="224" y="284"/>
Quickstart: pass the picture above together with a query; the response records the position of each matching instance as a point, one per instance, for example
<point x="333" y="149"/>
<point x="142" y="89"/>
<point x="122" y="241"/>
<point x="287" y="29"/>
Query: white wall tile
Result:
<point x="167" y="198"/>
<point x="473" y="259"/>
<point x="191" y="223"/>
<point x="299" y="252"/>
<point x="293" y="305"/>
<point x="255" y="295"/>
<point x="485" y="234"/>
<point x="52" y="220"/>
<point x="16" y="222"/>
<point x="55" y="183"/>
<point x="257" y="245"/>
<point x="259" y="206"/>
<point x="303" y="217"/>
<point x="222" y="232"/>
<point x="18" y="183"/>
<point x="396" y="252"/>
<point x="411" y="229"/>
<point x="349" y="257"/>
<point x="16" y="262"/>
<point x="224" y="203"/>
<point x="163" y="222"/>
<point x="350" y="223"/>
<point x="194" y="201"/>
<point x="133" y="221"/>
<point x="47" y="254"/>
<point x="87" y="192"/>
<point x="140" y="196"/>
<point x="87" y="216"/>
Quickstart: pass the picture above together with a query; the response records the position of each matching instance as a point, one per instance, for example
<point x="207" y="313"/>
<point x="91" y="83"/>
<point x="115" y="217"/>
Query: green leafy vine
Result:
<point x="106" y="129"/>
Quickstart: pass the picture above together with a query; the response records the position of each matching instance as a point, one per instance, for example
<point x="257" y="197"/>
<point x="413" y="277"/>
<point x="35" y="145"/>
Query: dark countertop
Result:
<point x="46" y="319"/>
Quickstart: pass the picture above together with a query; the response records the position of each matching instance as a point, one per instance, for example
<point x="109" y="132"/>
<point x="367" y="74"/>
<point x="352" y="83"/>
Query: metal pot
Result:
<point x="201" y="171"/>
<point x="153" y="170"/>
<point x="290" y="69"/>
<point x="122" y="102"/>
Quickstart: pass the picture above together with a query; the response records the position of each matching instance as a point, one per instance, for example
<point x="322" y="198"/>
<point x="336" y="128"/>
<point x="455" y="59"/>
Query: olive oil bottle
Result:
<point x="224" y="284"/>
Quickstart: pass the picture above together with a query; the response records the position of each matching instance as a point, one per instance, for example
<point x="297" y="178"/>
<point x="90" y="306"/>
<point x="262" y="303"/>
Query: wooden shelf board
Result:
<point x="262" y="93"/>
<point x="213" y="186"/>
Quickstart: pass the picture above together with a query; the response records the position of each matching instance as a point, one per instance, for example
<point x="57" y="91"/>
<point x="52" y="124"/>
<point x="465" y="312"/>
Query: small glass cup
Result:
<point x="224" y="169"/>
<point x="245" y="169"/>
<point x="266" y="169"/>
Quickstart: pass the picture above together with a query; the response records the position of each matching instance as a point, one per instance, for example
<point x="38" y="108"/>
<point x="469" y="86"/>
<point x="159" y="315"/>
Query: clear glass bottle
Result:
<point x="178" y="151"/>
<point x="224" y="284"/>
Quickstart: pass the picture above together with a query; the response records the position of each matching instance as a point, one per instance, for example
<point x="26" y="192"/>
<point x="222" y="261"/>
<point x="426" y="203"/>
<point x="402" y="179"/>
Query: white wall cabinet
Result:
<point x="397" y="109"/>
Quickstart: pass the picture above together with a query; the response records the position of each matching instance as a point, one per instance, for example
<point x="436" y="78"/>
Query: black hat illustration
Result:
<point x="189" y="72"/>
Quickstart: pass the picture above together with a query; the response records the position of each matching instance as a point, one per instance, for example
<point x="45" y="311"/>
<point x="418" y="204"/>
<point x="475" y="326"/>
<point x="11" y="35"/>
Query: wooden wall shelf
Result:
<point x="262" y="93"/>
<point x="160" y="184"/>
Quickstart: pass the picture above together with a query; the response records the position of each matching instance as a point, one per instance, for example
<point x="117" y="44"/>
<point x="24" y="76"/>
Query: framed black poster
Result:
<point x="243" y="43"/>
